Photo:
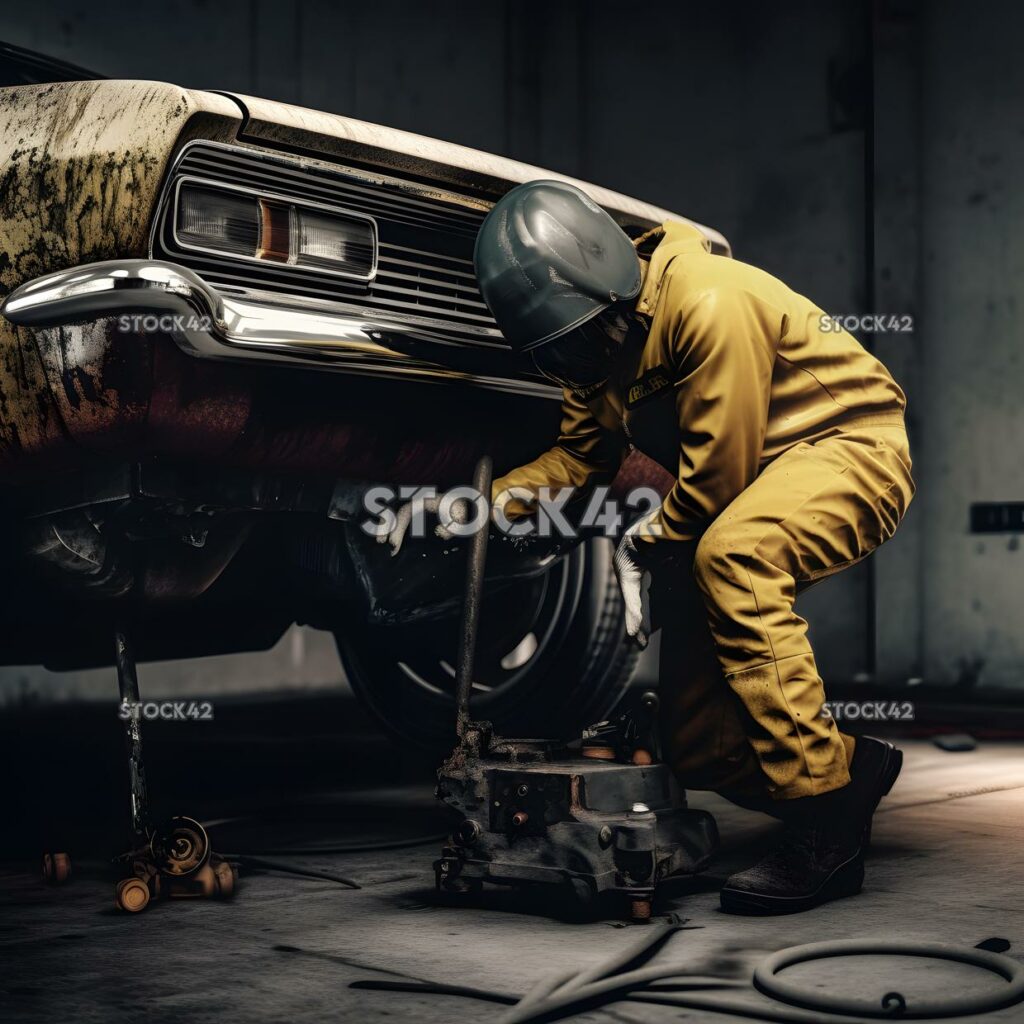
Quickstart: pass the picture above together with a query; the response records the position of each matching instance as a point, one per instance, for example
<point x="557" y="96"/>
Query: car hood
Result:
<point x="471" y="171"/>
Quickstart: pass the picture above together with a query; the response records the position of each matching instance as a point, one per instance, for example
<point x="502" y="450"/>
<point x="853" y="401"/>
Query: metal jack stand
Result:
<point x="172" y="861"/>
<point x="534" y="811"/>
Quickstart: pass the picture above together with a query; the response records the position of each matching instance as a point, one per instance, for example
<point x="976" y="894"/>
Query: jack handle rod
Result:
<point x="475" y="565"/>
<point x="128" y="687"/>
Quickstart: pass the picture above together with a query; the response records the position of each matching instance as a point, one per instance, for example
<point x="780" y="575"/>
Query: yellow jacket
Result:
<point x="735" y="369"/>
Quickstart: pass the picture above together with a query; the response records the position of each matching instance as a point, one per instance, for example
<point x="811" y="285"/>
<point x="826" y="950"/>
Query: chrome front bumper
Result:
<point x="207" y="324"/>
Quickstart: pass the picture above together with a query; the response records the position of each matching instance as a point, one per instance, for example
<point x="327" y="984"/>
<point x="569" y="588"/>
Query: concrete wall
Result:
<point x="948" y="165"/>
<point x="724" y="112"/>
<point x="972" y="337"/>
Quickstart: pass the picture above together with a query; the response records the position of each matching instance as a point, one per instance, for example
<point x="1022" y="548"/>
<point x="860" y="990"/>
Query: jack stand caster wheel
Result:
<point x="131" y="895"/>
<point x="214" y="880"/>
<point x="56" y="868"/>
<point x="640" y="911"/>
<point x="201" y="884"/>
<point x="224" y="880"/>
<point x="641" y="906"/>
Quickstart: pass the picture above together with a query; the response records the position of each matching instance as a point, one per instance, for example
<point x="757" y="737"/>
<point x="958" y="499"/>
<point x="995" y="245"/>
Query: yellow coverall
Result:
<point x="788" y="445"/>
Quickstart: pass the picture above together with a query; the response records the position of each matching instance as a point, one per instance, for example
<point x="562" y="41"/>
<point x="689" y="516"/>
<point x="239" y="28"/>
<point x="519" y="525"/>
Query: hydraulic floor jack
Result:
<point x="598" y="815"/>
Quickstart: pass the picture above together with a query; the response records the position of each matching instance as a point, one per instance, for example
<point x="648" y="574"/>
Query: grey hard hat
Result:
<point x="548" y="259"/>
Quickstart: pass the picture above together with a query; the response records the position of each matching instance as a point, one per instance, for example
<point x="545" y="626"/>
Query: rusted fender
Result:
<point x="81" y="165"/>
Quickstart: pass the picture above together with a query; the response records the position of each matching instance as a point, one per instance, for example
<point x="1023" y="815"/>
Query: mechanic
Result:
<point x="787" y="443"/>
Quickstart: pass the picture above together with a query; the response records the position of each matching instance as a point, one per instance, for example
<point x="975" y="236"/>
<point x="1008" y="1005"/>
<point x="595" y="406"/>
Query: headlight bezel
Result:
<point x="266" y="205"/>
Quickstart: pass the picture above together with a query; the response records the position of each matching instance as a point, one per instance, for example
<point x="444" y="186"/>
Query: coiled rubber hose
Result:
<point x="892" y="1005"/>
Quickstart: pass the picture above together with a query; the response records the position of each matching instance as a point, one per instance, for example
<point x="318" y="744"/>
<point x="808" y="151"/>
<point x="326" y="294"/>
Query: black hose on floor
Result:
<point x="315" y="851"/>
<point x="892" y="1004"/>
<point x="246" y="860"/>
<point x="435" y="988"/>
<point x="573" y="992"/>
<point x="257" y="858"/>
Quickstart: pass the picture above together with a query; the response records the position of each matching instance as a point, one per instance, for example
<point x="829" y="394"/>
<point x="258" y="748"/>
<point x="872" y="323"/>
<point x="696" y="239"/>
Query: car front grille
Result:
<point x="425" y="262"/>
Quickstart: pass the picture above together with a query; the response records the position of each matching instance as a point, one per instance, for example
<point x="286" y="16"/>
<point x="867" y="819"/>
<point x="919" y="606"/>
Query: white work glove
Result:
<point x="635" y="582"/>
<point x="460" y="513"/>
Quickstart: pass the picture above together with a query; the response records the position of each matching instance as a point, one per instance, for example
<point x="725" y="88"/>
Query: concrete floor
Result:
<point x="945" y="866"/>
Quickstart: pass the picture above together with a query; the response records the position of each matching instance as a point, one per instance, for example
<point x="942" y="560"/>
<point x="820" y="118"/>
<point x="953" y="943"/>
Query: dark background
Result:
<point x="871" y="155"/>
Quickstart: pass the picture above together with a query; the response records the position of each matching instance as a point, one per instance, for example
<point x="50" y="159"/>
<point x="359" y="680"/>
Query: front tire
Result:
<point x="552" y="657"/>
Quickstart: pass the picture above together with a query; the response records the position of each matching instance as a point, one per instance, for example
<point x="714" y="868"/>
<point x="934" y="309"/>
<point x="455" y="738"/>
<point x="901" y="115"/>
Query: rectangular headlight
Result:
<point x="243" y="224"/>
<point x="327" y="240"/>
<point x="221" y="221"/>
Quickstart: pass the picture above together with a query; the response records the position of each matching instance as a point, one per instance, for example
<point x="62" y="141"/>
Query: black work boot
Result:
<point x="819" y="859"/>
<point x="875" y="768"/>
<point x="821" y="856"/>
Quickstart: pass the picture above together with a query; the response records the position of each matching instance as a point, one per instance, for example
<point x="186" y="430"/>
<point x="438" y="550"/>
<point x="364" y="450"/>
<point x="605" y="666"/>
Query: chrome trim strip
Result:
<point x="212" y="183"/>
<point x="238" y="328"/>
<point x="396" y="318"/>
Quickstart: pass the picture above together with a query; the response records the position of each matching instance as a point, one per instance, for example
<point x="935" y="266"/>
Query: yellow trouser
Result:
<point x="813" y="511"/>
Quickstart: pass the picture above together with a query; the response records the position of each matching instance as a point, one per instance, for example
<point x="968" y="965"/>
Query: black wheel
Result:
<point x="552" y="656"/>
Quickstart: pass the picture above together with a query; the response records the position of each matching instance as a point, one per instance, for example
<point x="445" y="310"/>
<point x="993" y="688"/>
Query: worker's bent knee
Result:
<point x="717" y="564"/>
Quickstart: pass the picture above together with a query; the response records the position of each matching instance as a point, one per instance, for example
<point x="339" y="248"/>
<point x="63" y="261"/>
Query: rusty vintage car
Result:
<point x="224" y="318"/>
